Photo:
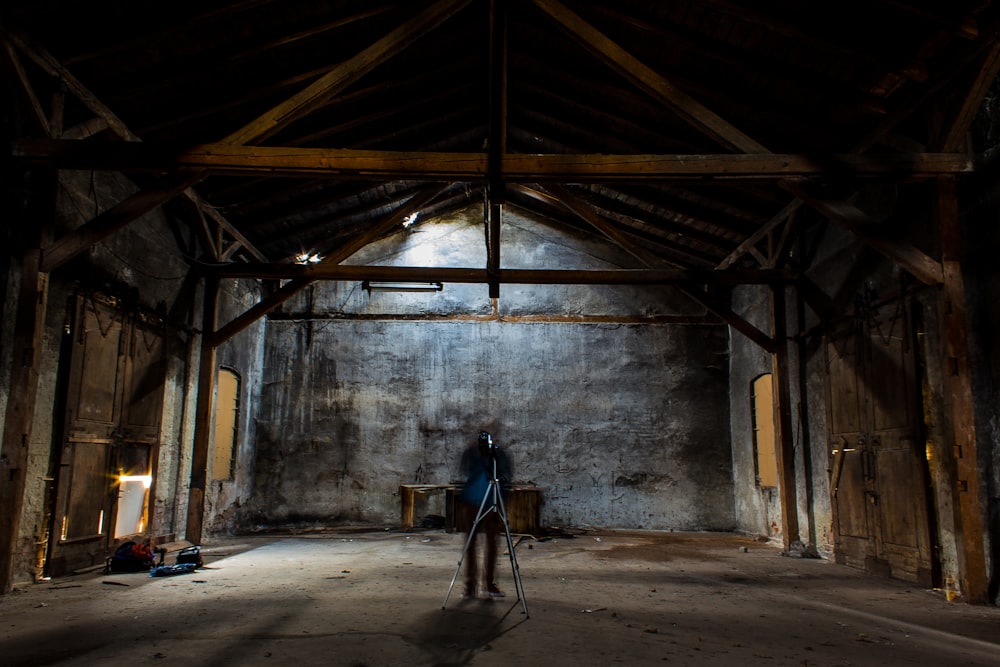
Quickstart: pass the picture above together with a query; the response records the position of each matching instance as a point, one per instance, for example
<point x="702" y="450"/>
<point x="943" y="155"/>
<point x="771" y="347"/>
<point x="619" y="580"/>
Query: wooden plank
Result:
<point x="336" y="80"/>
<point x="662" y="90"/>
<point x="969" y="510"/>
<point x="80" y="239"/>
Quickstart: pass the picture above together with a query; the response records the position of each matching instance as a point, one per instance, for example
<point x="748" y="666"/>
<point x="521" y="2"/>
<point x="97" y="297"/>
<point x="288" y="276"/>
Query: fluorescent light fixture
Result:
<point x="374" y="286"/>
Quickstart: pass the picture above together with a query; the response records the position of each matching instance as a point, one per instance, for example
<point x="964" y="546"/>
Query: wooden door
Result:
<point x="114" y="396"/>
<point x="879" y="478"/>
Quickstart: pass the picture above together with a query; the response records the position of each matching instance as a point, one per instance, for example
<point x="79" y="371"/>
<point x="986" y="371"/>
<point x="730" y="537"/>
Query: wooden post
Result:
<point x="783" y="419"/>
<point x="203" y="413"/>
<point x="971" y="549"/>
<point x="29" y="329"/>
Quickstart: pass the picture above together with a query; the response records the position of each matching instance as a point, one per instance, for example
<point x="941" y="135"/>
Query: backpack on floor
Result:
<point x="190" y="555"/>
<point x="130" y="557"/>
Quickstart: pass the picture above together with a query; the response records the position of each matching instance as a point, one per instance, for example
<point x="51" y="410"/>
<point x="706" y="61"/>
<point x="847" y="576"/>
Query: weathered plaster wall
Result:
<point x="758" y="510"/>
<point x="613" y="400"/>
<point x="244" y="354"/>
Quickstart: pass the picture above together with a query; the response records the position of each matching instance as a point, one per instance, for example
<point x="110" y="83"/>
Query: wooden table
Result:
<point x="523" y="504"/>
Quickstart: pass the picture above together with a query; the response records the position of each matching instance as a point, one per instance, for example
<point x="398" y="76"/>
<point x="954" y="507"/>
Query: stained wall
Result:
<point x="612" y="399"/>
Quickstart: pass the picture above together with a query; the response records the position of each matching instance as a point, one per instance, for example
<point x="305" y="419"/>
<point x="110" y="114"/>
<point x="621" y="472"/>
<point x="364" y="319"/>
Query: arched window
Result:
<point x="227" y="420"/>
<point x="765" y="445"/>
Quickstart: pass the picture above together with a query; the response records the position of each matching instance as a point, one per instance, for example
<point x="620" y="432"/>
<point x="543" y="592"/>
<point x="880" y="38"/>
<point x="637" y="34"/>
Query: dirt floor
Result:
<point x="593" y="598"/>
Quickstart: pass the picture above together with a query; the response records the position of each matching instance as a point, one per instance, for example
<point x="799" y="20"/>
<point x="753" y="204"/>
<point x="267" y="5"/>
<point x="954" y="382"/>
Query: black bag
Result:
<point x="130" y="557"/>
<point x="190" y="555"/>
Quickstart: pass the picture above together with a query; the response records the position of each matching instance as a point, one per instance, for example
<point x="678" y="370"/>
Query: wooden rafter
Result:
<point x="327" y="86"/>
<point x="923" y="267"/>
<point x="955" y="136"/>
<point x="696" y="114"/>
<point x="724" y="311"/>
<point x="294" y="286"/>
<point x="131" y="208"/>
<point x="105" y="118"/>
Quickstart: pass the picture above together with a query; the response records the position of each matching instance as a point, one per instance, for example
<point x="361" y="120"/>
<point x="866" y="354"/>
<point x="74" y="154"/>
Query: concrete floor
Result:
<point x="599" y="597"/>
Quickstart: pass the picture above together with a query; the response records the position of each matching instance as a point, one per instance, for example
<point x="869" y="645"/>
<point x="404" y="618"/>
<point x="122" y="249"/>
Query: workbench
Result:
<point x="523" y="503"/>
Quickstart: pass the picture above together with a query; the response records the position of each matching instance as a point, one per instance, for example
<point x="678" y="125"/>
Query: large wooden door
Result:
<point x="879" y="477"/>
<point x="114" y="393"/>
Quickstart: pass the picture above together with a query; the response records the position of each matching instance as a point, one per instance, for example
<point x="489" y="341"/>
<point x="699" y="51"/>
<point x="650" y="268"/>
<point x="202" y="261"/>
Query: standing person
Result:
<point x="477" y="469"/>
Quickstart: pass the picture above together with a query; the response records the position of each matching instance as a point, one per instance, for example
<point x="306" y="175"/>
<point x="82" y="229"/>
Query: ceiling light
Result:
<point x="308" y="258"/>
<point x="373" y="286"/>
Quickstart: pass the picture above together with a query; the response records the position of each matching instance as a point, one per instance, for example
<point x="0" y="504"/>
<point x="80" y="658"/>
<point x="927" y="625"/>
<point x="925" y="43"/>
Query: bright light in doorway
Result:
<point x="147" y="480"/>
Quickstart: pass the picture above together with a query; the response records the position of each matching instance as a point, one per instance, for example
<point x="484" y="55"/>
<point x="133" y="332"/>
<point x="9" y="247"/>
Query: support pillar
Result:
<point x="203" y="413"/>
<point x="783" y="419"/>
<point x="968" y="496"/>
<point x="29" y="330"/>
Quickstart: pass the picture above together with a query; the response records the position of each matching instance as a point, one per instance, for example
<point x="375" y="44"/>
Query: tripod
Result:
<point x="492" y="502"/>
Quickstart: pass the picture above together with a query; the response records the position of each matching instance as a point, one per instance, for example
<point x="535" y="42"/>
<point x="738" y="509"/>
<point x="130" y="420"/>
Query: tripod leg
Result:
<point x="518" y="588"/>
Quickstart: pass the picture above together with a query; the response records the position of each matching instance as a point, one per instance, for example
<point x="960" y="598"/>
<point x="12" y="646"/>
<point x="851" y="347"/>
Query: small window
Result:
<point x="227" y="420"/>
<point x="765" y="443"/>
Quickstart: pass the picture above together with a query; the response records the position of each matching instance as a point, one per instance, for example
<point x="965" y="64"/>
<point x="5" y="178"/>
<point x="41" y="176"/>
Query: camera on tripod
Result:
<point x="486" y="440"/>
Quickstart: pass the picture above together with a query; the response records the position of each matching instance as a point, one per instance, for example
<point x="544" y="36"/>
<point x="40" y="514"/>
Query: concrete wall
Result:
<point x="614" y="400"/>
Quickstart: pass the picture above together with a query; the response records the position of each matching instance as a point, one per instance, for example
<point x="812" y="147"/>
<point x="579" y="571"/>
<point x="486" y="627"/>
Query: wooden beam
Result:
<point x="783" y="419"/>
<point x="28" y="341"/>
<point x="613" y="233"/>
<point x="955" y="137"/>
<point x="496" y="141"/>
<point x="453" y="166"/>
<point x="726" y="313"/>
<point x="350" y="272"/>
<point x="339" y="78"/>
<point x="662" y="90"/>
<point x="106" y="119"/>
<point x="294" y="286"/>
<point x="204" y="412"/>
<point x="923" y="267"/>
<point x="80" y="239"/>
<point x="763" y="231"/>
<point x="230" y="229"/>
<point x="968" y="486"/>
<point x="57" y="71"/>
<point x="37" y="115"/>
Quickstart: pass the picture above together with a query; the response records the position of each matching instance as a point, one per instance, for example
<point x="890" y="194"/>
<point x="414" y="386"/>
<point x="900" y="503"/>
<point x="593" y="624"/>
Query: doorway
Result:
<point x="107" y="460"/>
<point x="879" y="475"/>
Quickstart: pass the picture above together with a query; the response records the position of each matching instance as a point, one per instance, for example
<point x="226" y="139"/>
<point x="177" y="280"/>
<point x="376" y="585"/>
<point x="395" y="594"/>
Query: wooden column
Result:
<point x="783" y="419"/>
<point x="968" y="506"/>
<point x="203" y="413"/>
<point x="29" y="330"/>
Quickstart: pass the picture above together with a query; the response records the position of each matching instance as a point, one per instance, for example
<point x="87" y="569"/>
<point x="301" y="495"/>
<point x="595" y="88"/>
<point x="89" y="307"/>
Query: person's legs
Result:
<point x="492" y="532"/>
